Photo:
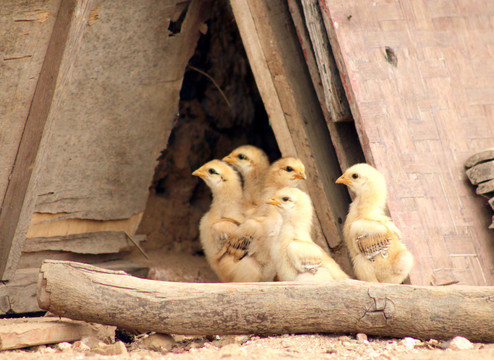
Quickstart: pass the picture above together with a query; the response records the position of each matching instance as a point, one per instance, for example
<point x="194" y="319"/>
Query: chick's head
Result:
<point x="292" y="201"/>
<point x="216" y="173"/>
<point x="363" y="179"/>
<point x="287" y="171"/>
<point x="246" y="158"/>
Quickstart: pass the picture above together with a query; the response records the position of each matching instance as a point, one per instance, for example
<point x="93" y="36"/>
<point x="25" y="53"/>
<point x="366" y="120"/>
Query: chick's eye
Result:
<point x="285" y="198"/>
<point x="242" y="156"/>
<point x="355" y="176"/>
<point x="212" y="171"/>
<point x="289" y="169"/>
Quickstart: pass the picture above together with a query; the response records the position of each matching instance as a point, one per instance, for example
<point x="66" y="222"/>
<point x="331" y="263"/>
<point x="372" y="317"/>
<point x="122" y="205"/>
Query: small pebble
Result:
<point x="64" y="346"/>
<point x="460" y="343"/>
<point x="410" y="342"/>
<point x="362" y="338"/>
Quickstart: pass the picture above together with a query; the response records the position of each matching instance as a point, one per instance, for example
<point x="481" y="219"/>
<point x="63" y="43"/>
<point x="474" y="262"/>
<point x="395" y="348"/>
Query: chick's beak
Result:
<point x="199" y="173"/>
<point x="229" y="159"/>
<point x="343" y="180"/>
<point x="274" y="202"/>
<point x="300" y="175"/>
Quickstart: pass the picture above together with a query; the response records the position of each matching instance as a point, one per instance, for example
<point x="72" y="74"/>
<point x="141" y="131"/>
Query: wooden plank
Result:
<point x="343" y="134"/>
<point x="27" y="332"/>
<point x="18" y="203"/>
<point x="84" y="292"/>
<point x="480" y="157"/>
<point x="336" y="101"/>
<point x="49" y="225"/>
<point x="486" y="188"/>
<point x="481" y="172"/>
<point x="102" y="242"/>
<point x="414" y="92"/>
<point x="281" y="75"/>
<point x="103" y="149"/>
<point x="25" y="30"/>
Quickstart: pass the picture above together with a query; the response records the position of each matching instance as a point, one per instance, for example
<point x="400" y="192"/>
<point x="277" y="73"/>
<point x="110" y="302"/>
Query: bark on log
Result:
<point x="85" y="292"/>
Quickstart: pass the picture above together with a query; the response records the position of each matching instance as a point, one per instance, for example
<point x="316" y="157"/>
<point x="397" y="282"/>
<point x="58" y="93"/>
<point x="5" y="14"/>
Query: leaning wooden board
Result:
<point x="419" y="81"/>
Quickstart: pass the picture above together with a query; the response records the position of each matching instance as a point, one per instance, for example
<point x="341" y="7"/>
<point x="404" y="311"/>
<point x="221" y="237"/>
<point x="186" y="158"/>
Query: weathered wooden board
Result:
<point x="27" y="332"/>
<point x="25" y="29"/>
<point x="481" y="172"/>
<point x="479" y="157"/>
<point x="102" y="242"/>
<point x="19" y="200"/>
<point x="85" y="292"/>
<point x="117" y="108"/>
<point x="343" y="134"/>
<point x="279" y="68"/>
<point x="419" y="79"/>
<point x="336" y="101"/>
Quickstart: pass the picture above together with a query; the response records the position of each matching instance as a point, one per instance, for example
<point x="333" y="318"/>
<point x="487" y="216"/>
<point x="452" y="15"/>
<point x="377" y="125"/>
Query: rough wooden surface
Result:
<point x="481" y="172"/>
<point x="343" y="134"/>
<point x="114" y="114"/>
<point x="479" y="157"/>
<point x="18" y="296"/>
<point x="84" y="292"/>
<point x="419" y="80"/>
<point x="279" y="68"/>
<point x="335" y="97"/>
<point x="26" y="332"/>
<point x="18" y="200"/>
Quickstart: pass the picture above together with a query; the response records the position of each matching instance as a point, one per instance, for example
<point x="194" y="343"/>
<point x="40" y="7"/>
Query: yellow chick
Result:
<point x="294" y="253"/>
<point x="373" y="240"/>
<point x="252" y="163"/>
<point x="221" y="221"/>
<point x="252" y="239"/>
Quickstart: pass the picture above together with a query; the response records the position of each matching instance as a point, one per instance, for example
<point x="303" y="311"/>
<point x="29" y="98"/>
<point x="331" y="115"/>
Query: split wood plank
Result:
<point x="343" y="134"/>
<point x="84" y="292"/>
<point x="481" y="172"/>
<point x="281" y="75"/>
<point x="102" y="242"/>
<point x="486" y="188"/>
<point x="336" y="102"/>
<point x="18" y="202"/>
<point x="49" y="225"/>
<point x="480" y="157"/>
<point x="26" y="332"/>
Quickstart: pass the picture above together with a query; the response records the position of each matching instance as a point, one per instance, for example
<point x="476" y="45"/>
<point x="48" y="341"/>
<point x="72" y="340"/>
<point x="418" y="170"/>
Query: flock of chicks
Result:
<point x="258" y="227"/>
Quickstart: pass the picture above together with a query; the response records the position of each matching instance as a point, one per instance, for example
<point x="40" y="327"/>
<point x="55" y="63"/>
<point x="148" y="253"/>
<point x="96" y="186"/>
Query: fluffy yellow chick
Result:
<point x="252" y="163"/>
<point x="221" y="221"/>
<point x="252" y="239"/>
<point x="373" y="240"/>
<point x="294" y="253"/>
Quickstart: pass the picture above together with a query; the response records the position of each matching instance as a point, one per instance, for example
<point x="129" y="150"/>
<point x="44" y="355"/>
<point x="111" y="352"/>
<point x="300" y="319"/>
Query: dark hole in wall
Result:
<point x="207" y="128"/>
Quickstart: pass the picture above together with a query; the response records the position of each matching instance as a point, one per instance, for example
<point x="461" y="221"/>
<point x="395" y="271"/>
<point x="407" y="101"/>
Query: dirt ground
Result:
<point x="315" y="346"/>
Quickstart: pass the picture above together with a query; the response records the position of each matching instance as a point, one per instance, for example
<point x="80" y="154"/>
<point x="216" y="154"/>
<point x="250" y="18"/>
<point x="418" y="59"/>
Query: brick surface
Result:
<point x="419" y="120"/>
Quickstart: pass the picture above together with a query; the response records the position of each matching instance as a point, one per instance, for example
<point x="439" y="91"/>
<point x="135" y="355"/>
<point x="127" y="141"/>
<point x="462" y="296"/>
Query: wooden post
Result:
<point x="85" y="292"/>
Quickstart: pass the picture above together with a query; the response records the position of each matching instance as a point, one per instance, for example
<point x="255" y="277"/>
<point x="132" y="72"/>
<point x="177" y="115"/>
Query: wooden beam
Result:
<point x="19" y="199"/>
<point x="335" y="97"/>
<point x="294" y="111"/>
<point x="343" y="133"/>
<point x="26" y="332"/>
<point x="84" y="292"/>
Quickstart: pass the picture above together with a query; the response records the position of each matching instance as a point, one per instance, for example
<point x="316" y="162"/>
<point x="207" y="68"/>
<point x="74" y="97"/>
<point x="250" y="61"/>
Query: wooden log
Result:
<point x="481" y="172"/>
<point x="477" y="158"/>
<point x="20" y="333"/>
<point x="84" y="292"/>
